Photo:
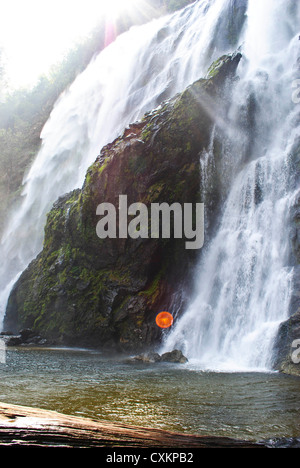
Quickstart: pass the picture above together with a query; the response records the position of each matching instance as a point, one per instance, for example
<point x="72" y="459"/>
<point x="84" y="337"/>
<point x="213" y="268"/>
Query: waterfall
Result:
<point x="133" y="75"/>
<point x="243" y="282"/>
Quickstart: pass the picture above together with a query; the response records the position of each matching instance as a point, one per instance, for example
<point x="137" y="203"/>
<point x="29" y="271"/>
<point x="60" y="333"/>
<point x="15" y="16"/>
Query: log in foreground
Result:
<point x="34" y="427"/>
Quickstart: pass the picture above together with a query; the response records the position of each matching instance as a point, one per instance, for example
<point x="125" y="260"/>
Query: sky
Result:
<point x="35" y="34"/>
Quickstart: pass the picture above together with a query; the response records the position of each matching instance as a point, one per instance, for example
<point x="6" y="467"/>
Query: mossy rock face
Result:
<point x="82" y="290"/>
<point x="287" y="344"/>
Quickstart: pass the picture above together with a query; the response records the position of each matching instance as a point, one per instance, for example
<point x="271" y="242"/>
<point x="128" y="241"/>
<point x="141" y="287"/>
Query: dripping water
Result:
<point x="244" y="280"/>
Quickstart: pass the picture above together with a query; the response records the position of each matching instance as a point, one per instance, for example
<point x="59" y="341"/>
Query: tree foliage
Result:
<point x="24" y="112"/>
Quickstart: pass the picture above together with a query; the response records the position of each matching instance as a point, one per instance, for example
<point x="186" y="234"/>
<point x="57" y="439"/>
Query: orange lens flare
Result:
<point x="164" y="320"/>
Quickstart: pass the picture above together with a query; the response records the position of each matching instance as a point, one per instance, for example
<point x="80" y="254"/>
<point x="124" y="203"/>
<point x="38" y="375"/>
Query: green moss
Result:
<point x="121" y="276"/>
<point x="138" y="165"/>
<point x="153" y="291"/>
<point x="146" y="133"/>
<point x="83" y="287"/>
<point x="103" y="167"/>
<point x="214" y="68"/>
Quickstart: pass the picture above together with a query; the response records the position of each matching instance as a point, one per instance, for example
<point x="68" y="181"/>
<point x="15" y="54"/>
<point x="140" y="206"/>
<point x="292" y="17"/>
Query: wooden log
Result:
<point x="34" y="427"/>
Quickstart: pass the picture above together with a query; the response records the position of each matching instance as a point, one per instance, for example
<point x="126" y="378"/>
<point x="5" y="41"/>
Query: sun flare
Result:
<point x="35" y="35"/>
<point x="114" y="8"/>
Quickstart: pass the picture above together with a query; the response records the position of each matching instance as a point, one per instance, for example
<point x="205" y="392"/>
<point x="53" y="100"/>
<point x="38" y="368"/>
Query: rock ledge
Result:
<point x="175" y="356"/>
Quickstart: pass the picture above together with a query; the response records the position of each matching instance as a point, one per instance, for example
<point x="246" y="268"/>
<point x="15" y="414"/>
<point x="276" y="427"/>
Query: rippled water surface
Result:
<point x="163" y="395"/>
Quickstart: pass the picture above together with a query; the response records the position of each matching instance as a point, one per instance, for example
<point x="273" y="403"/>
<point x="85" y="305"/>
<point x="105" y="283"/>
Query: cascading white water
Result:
<point x="133" y="75"/>
<point x="243" y="283"/>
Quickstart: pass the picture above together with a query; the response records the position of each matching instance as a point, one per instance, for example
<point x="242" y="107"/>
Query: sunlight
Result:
<point x="35" y="35"/>
<point x="116" y="7"/>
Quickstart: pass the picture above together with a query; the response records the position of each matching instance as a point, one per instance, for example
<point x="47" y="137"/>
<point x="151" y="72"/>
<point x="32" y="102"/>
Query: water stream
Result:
<point x="248" y="405"/>
<point x="243" y="282"/>
<point x="133" y="75"/>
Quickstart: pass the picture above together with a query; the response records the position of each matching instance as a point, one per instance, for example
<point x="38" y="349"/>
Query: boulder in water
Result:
<point x="147" y="357"/>
<point x="83" y="290"/>
<point x="171" y="356"/>
<point x="174" y="356"/>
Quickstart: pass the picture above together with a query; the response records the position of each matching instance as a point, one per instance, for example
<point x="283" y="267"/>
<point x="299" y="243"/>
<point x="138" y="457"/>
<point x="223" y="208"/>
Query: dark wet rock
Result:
<point x="106" y="293"/>
<point x="26" y="337"/>
<point x="26" y="334"/>
<point x="283" y="442"/>
<point x="147" y="357"/>
<point x="287" y="352"/>
<point x="13" y="340"/>
<point x="286" y="343"/>
<point x="174" y="356"/>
